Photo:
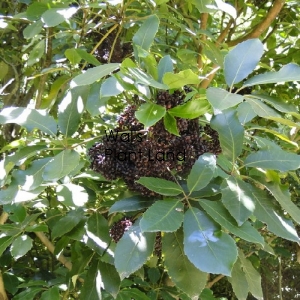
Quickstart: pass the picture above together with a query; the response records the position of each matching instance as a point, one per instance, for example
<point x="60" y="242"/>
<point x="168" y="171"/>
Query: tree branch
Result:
<point x="263" y="25"/>
<point x="211" y="283"/>
<point x="203" y="24"/>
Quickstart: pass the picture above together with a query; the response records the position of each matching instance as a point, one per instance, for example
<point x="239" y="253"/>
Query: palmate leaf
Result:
<point x="242" y="60"/>
<point x="183" y="273"/>
<point x="205" y="246"/>
<point x="133" y="250"/>
<point x="166" y="215"/>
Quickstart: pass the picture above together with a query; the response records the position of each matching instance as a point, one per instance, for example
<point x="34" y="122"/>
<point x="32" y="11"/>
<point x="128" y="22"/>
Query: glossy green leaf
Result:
<point x="171" y="124"/>
<point x="242" y="60"/>
<point x="282" y="195"/>
<point x="91" y="289"/>
<point x="54" y="16"/>
<point x="190" y="110"/>
<point x="221" y="99"/>
<point x="98" y="233"/>
<point x="165" y="215"/>
<point x="111" y="87"/>
<point x="202" y="172"/>
<point x="245" y="113"/>
<point x="33" y="29"/>
<point x="273" y="159"/>
<point x="29" y="118"/>
<point x="150" y="113"/>
<point x="144" y="37"/>
<point x="133" y="203"/>
<point x="61" y="165"/>
<point x="94" y="74"/>
<point x="252" y="276"/>
<point x="231" y="133"/>
<point x="66" y="223"/>
<point x="133" y="250"/>
<point x="183" y="273"/>
<point x="289" y="72"/>
<point x="71" y="109"/>
<point x="73" y="56"/>
<point x="266" y="212"/>
<point x="179" y="80"/>
<point x="20" y="246"/>
<point x="160" y="186"/>
<point x="36" y="53"/>
<point x="237" y="198"/>
<point x="203" y="239"/>
<point x="51" y="294"/>
<point x="110" y="278"/>
<point x="164" y="66"/>
<point x="239" y="281"/>
<point x="218" y="212"/>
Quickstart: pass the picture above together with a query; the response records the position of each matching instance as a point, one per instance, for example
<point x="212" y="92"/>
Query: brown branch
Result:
<point x="263" y="25"/>
<point x="211" y="283"/>
<point x="3" y="295"/>
<point x="3" y="218"/>
<point x="203" y="24"/>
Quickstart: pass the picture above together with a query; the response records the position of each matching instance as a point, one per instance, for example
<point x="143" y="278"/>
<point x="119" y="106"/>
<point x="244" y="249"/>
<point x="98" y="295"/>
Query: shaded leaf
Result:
<point x="179" y="80"/>
<point x="183" y="273"/>
<point x="5" y="241"/>
<point x="110" y="278"/>
<point x="131" y="293"/>
<point x="165" y="215"/>
<point x="20" y="246"/>
<point x="88" y="57"/>
<point x="218" y="212"/>
<point x="111" y="87"/>
<point x="73" y="56"/>
<point x="239" y="281"/>
<point x="29" y="118"/>
<point x="11" y="282"/>
<point x="221" y="99"/>
<point x="36" y="53"/>
<point x="51" y="294"/>
<point x="245" y="113"/>
<point x="133" y="203"/>
<point x="262" y="109"/>
<point x="133" y="250"/>
<point x="237" y="198"/>
<point x="171" y="124"/>
<point x="202" y="238"/>
<point x="160" y="186"/>
<point x="29" y="293"/>
<point x="165" y="65"/>
<point x="242" y="60"/>
<point x="54" y="16"/>
<point x="231" y="133"/>
<point x="33" y="29"/>
<point x="202" y="172"/>
<point x="289" y="72"/>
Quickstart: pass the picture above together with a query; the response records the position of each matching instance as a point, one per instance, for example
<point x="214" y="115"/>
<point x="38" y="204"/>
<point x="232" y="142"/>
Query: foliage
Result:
<point x="69" y="69"/>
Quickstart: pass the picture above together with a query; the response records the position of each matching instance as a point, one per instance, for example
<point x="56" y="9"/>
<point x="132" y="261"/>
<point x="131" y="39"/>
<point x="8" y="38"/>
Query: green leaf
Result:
<point x="94" y="103"/>
<point x="213" y="53"/>
<point x="289" y="72"/>
<point x="252" y="276"/>
<point x="20" y="246"/>
<point x="227" y="8"/>
<point x="35" y="10"/>
<point x="110" y="278"/>
<point x="72" y="195"/>
<point x="179" y="80"/>
<point x="231" y="133"/>
<point x="29" y="118"/>
<point x="261" y="109"/>
<point x="207" y="294"/>
<point x="133" y="250"/>
<point x="31" y="178"/>
<point x="171" y="124"/>
<point x="144" y="37"/>
<point x="245" y="113"/>
<point x="66" y="223"/>
<point x="282" y="195"/>
<point x="51" y="294"/>
<point x="133" y="203"/>
<point x="266" y="212"/>
<point x="33" y="29"/>
<point x="94" y="74"/>
<point x="150" y="113"/>
<point x="165" y="65"/>
<point x="190" y="110"/>
<point x="71" y="109"/>
<point x="91" y="289"/>
<point x="218" y="212"/>
<point x="88" y="57"/>
<point x="160" y="186"/>
<point x="237" y="198"/>
<point x="202" y="172"/>
<point x="98" y="233"/>
<point x="73" y="56"/>
<point x="11" y="282"/>
<point x="203" y="239"/>
<point x="221" y="99"/>
<point x="239" y="281"/>
<point x="273" y="159"/>
<point x="5" y="241"/>
<point x="61" y="165"/>
<point x="242" y="60"/>
<point x="111" y="87"/>
<point x="29" y="293"/>
<point x="131" y="293"/>
<point x="36" y="53"/>
<point x="54" y="16"/>
<point x="165" y="215"/>
<point x="183" y="273"/>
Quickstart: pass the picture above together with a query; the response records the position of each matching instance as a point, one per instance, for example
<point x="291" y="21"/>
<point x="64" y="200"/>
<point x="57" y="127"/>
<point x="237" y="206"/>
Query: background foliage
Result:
<point x="228" y="230"/>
